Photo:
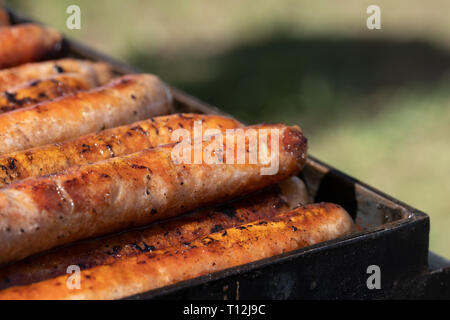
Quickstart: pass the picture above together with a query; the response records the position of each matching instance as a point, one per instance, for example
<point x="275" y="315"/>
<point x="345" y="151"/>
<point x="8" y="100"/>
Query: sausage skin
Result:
<point x="301" y="227"/>
<point x="295" y="192"/>
<point x="103" y="145"/>
<point x="4" y="18"/>
<point x="262" y="205"/>
<point x="122" y="101"/>
<point x="124" y="192"/>
<point x="27" y="43"/>
<point x="45" y="89"/>
<point x="12" y="77"/>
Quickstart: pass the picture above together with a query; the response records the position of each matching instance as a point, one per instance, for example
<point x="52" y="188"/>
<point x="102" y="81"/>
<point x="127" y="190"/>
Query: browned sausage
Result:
<point x="37" y="214"/>
<point x="262" y="205"/>
<point x="4" y="17"/>
<point x="295" y="191"/>
<point x="12" y="77"/>
<point x="122" y="101"/>
<point x="27" y="43"/>
<point x="103" y="145"/>
<point x="227" y="248"/>
<point x="45" y="89"/>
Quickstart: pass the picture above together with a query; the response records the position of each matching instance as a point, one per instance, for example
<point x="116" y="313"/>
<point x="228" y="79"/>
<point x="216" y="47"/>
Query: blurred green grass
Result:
<point x="375" y="104"/>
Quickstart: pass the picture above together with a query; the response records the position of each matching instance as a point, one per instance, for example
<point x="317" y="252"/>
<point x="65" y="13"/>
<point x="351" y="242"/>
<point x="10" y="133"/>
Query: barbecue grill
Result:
<point x="390" y="235"/>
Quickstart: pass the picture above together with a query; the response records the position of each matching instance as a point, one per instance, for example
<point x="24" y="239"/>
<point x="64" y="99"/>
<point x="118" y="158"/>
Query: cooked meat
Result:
<point x="28" y="42"/>
<point x="224" y="249"/>
<point x="4" y="17"/>
<point x="122" y="101"/>
<point x="13" y="77"/>
<point x="45" y="89"/>
<point x="262" y="205"/>
<point x="103" y="145"/>
<point x="41" y="213"/>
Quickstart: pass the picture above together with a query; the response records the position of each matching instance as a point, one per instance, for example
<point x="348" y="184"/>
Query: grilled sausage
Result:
<point x="106" y="144"/>
<point x="46" y="89"/>
<point x="227" y="248"/>
<point x="262" y="205"/>
<point x="100" y="72"/>
<point x="37" y="214"/>
<point x="122" y="101"/>
<point x="295" y="192"/>
<point x="27" y="43"/>
<point x="4" y="17"/>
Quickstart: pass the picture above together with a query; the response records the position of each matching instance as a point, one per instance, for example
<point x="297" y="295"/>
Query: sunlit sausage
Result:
<point x="122" y="101"/>
<point x="262" y="205"/>
<point x="37" y="214"/>
<point x="115" y="142"/>
<point x="224" y="249"/>
<point x="4" y="17"/>
<point x="44" y="89"/>
<point x="28" y="43"/>
<point x="10" y="78"/>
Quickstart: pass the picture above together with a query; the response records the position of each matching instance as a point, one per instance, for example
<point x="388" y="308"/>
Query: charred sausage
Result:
<point x="27" y="43"/>
<point x="45" y="89"/>
<point x="100" y="72"/>
<point x="37" y="214"/>
<point x="122" y="101"/>
<point x="4" y="17"/>
<point x="304" y="226"/>
<point x="103" y="145"/>
<point x="262" y="205"/>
